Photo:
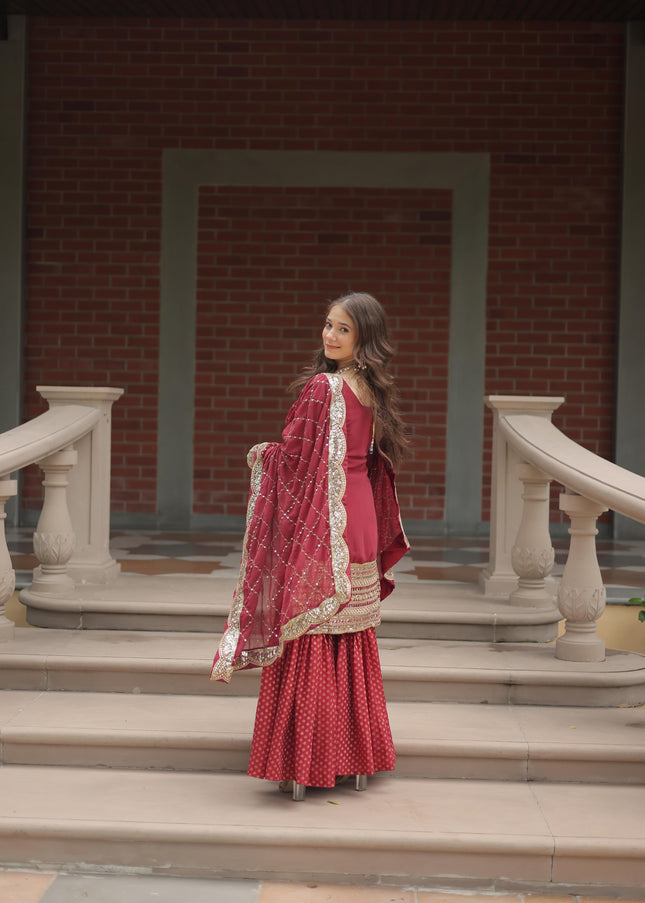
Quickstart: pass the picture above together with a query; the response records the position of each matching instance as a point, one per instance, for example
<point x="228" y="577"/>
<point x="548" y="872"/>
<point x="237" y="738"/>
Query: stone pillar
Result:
<point x="630" y="363"/>
<point x="54" y="538"/>
<point x="581" y="595"/>
<point x="8" y="488"/>
<point x="89" y="485"/>
<point x="532" y="555"/>
<point x="13" y="228"/>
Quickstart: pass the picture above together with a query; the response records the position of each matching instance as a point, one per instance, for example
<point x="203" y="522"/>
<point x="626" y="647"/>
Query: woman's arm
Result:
<point x="301" y="435"/>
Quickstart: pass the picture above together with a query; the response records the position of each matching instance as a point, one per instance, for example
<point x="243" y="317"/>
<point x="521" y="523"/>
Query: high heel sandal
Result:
<point x="296" y="790"/>
<point x="361" y="780"/>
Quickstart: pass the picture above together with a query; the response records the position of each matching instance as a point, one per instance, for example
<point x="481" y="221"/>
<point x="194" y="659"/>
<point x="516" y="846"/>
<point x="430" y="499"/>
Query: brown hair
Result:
<point x="373" y="354"/>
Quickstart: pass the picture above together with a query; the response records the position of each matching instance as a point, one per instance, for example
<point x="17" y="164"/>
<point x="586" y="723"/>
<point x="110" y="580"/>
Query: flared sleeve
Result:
<point x="392" y="541"/>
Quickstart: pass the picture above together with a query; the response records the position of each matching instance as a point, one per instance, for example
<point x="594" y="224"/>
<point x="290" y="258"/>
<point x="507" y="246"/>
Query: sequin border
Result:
<point x="226" y="663"/>
<point x="336" y="484"/>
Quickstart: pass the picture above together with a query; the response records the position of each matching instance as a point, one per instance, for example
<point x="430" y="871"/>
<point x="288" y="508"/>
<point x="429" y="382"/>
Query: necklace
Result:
<point x="348" y="367"/>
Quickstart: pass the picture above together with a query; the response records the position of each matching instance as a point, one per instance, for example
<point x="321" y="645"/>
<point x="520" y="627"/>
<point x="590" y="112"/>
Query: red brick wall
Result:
<point x="107" y="96"/>
<point x="268" y="261"/>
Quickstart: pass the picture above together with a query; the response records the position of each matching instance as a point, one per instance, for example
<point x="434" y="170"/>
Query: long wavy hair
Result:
<point x="372" y="354"/>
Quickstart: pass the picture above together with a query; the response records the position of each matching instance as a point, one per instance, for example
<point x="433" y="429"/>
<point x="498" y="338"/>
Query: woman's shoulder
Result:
<point x="318" y="384"/>
<point x="316" y="390"/>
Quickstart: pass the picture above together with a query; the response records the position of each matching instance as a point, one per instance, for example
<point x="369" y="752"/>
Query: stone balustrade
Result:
<point x="528" y="453"/>
<point x="71" y="444"/>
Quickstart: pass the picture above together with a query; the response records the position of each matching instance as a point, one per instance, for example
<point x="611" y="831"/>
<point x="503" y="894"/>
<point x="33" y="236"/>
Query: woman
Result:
<point x="323" y="532"/>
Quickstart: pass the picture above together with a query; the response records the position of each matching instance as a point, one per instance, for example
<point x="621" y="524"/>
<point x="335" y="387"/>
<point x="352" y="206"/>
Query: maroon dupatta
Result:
<point x="294" y="573"/>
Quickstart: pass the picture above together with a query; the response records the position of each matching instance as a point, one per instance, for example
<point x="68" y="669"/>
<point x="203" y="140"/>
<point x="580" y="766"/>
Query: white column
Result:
<point x="8" y="488"/>
<point x="54" y="538"/>
<point x="581" y="595"/>
<point x="498" y="577"/>
<point x="89" y="485"/>
<point x="532" y="555"/>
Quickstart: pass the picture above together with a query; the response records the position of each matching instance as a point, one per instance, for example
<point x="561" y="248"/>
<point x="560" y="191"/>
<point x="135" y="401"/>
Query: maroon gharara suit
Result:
<point x="323" y="531"/>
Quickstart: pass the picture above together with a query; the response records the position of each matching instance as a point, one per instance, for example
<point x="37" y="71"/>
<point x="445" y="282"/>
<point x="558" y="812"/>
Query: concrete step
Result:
<point x="543" y="837"/>
<point x="413" y="670"/>
<point x="438" y="741"/>
<point x="418" y="609"/>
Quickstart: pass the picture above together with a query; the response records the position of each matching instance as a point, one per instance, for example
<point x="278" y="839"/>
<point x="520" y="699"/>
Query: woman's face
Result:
<point x="340" y="336"/>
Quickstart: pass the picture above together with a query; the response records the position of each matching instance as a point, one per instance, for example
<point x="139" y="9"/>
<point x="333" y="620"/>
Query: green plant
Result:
<point x="639" y="600"/>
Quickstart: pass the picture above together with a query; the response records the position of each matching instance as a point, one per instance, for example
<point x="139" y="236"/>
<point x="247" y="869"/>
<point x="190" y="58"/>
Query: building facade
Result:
<point x="184" y="196"/>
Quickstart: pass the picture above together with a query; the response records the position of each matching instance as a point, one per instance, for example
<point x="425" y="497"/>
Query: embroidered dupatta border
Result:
<point x="226" y="662"/>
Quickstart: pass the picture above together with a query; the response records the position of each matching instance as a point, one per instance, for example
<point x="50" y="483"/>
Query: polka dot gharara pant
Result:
<point x="321" y="712"/>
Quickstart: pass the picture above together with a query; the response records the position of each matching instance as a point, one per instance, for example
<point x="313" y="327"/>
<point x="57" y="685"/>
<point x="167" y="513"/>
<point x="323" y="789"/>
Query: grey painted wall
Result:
<point x="630" y="407"/>
<point x="12" y="225"/>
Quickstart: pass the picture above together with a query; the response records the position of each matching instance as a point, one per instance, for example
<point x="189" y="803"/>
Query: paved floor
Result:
<point x="211" y="555"/>
<point x="29" y="887"/>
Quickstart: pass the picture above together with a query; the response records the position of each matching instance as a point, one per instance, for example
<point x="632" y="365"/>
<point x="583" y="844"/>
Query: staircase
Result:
<point x="455" y="611"/>
<point x="515" y="770"/>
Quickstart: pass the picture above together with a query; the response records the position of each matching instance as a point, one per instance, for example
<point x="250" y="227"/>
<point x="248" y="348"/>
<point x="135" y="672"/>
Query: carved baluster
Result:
<point x="7" y="573"/>
<point x="581" y="596"/>
<point x="54" y="539"/>
<point x="532" y="555"/>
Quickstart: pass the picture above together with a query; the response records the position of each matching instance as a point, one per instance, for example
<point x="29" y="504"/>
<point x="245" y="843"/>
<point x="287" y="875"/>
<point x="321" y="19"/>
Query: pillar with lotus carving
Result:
<point x="581" y="595"/>
<point x="54" y="538"/>
<point x="532" y="554"/>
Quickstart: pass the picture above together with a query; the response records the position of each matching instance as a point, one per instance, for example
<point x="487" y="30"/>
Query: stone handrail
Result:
<point x="528" y="453"/>
<point x="544" y="446"/>
<point x="71" y="445"/>
<point x="50" y="432"/>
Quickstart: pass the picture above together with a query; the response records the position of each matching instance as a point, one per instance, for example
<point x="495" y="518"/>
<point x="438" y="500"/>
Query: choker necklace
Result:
<point x="348" y="367"/>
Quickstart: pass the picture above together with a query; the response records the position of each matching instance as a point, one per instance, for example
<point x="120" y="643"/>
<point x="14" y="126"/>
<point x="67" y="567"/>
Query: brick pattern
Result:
<point x="268" y="261"/>
<point x="107" y="95"/>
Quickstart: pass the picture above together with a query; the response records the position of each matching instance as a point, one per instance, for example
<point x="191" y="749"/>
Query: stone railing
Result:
<point x="71" y="444"/>
<point x="528" y="453"/>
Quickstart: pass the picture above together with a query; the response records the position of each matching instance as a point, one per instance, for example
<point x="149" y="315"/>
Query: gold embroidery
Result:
<point x="336" y="482"/>
<point x="226" y="664"/>
<point x="364" y="607"/>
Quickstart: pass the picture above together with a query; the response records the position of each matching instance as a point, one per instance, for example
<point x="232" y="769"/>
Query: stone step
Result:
<point x="413" y="670"/>
<point x="433" y="740"/>
<point x="570" y="838"/>
<point x="417" y="609"/>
